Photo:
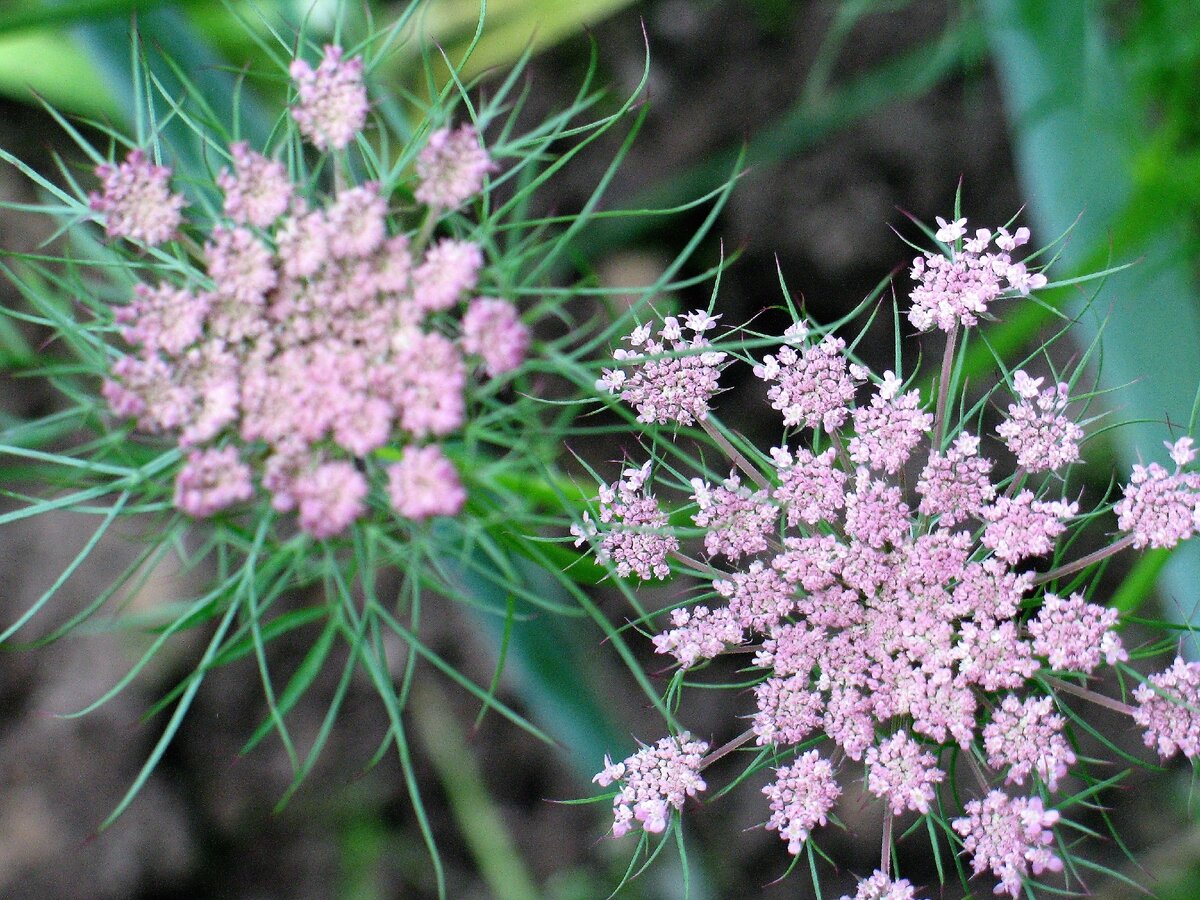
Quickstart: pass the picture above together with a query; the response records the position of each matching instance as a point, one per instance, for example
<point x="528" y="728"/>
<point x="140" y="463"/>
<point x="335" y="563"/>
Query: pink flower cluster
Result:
<point x="957" y="289"/>
<point x="1162" y="508"/>
<point x="136" y="200"/>
<point x="881" y="887"/>
<point x="314" y="334"/>
<point x="654" y="781"/>
<point x="642" y="543"/>
<point x="898" y="627"/>
<point x="1010" y="837"/>
<point x="801" y="797"/>
<point x="668" y="385"/>
<point x="1169" y="710"/>
<point x="451" y="168"/>
<point x="331" y="100"/>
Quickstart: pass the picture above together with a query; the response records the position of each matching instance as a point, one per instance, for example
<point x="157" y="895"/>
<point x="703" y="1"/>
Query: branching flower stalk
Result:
<point x="901" y="629"/>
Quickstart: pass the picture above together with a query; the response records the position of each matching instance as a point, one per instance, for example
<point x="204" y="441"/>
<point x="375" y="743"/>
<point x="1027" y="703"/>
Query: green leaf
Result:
<point x="41" y="63"/>
<point x="513" y="27"/>
<point x="31" y="14"/>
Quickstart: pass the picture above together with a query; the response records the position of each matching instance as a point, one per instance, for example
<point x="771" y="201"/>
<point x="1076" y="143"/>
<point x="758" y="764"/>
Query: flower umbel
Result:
<point x="318" y="331"/>
<point x="906" y="631"/>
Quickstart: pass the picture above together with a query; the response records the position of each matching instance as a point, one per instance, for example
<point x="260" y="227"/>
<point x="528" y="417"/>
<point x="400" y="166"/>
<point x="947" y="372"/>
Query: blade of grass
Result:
<point x="479" y="822"/>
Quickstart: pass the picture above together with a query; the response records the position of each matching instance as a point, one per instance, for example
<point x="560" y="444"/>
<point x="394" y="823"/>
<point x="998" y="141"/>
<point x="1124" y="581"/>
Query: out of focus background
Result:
<point x="1085" y="116"/>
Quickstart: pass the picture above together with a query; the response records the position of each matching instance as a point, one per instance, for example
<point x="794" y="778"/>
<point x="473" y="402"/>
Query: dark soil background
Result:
<point x="203" y="825"/>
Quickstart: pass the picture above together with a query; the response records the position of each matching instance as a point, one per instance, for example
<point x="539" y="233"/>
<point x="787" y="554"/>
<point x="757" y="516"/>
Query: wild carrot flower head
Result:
<point x="258" y="191"/>
<point x="905" y="629"/>
<point x="1160" y="508"/>
<point x="903" y="773"/>
<point x="136" y="200"/>
<point x="957" y="289"/>
<point x="331" y="100"/>
<point x="1010" y="837"/>
<point x="1169" y="710"/>
<point x="313" y="333"/>
<point x="211" y="480"/>
<point x="1036" y="431"/>
<point x="881" y="887"/>
<point x="1026" y="737"/>
<point x="493" y="331"/>
<point x="654" y="781"/>
<point x="812" y="388"/>
<point x="674" y="388"/>
<point x="424" y="483"/>
<point x="638" y="540"/>
<point x="801" y="798"/>
<point x="451" y="168"/>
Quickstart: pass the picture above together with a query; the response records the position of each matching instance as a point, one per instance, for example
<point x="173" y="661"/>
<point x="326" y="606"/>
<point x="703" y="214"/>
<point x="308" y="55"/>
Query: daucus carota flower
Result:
<point x="903" y="622"/>
<point x="312" y="337"/>
<point x="955" y="486"/>
<point x="451" y="167"/>
<point x="1026" y="736"/>
<point x="450" y="269"/>
<point x="880" y="887"/>
<point x="1160" y="509"/>
<point x="258" y="191"/>
<point x="424" y="483"/>
<point x="699" y="633"/>
<point x="330" y="496"/>
<point x="903" y="773"/>
<point x="888" y="430"/>
<point x="673" y="388"/>
<point x="493" y="331"/>
<point x="1075" y="635"/>
<point x="211" y="480"/>
<point x="331" y="100"/>
<point x="788" y="710"/>
<point x="738" y="519"/>
<point x="1010" y="837"/>
<point x="1023" y="526"/>
<point x="801" y="798"/>
<point x="812" y="488"/>
<point x="654" y="781"/>
<point x="1036" y="431"/>
<point x="163" y="318"/>
<point x="136" y="200"/>
<point x="956" y="290"/>
<point x="638" y="540"/>
<point x="1169" y="710"/>
<point x="813" y="388"/>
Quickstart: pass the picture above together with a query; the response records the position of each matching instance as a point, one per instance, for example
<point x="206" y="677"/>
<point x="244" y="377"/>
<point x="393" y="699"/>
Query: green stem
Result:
<point x="735" y="455"/>
<point x="1091" y="696"/>
<point x="1084" y="561"/>
<point x="479" y="821"/>
<point x="939" y="424"/>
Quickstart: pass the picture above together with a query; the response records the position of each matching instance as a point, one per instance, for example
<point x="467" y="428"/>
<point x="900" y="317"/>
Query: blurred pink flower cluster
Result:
<point x="310" y="333"/>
